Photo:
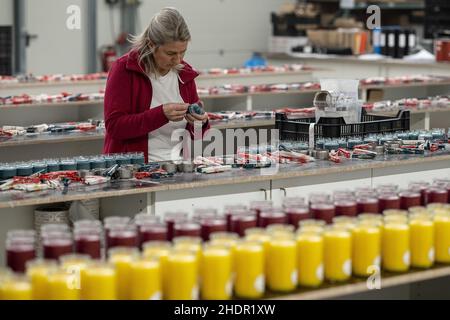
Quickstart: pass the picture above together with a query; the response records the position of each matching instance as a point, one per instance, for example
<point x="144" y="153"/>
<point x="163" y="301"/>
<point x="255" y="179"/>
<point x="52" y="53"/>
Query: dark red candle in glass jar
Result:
<point x="297" y="214"/>
<point x="420" y="187"/>
<point x="410" y="199"/>
<point x="191" y="229"/>
<point x="123" y="237"/>
<point x="267" y="218"/>
<point x="242" y="222"/>
<point x="346" y="208"/>
<point x="152" y="232"/>
<point x="437" y="195"/>
<point x="211" y="225"/>
<point x="388" y="201"/>
<point x="368" y="205"/>
<point x="448" y="193"/>
<point x="323" y="211"/>
<point x="88" y="243"/>
<point x="57" y="247"/>
<point x="18" y="253"/>
<point x="258" y="206"/>
<point x="230" y="209"/>
<point x="171" y="218"/>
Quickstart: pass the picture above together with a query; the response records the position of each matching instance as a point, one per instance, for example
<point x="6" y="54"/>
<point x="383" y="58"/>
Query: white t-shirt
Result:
<point x="160" y="147"/>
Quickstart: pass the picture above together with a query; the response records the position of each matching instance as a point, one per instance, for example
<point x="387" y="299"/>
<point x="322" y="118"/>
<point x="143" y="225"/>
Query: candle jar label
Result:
<point x="260" y="283"/>
<point x="406" y="258"/>
<point x="431" y="254"/>
<point x="347" y="267"/>
<point x="294" y="277"/>
<point x="319" y="272"/>
<point x="195" y="293"/>
<point x="156" y="296"/>
<point x="229" y="287"/>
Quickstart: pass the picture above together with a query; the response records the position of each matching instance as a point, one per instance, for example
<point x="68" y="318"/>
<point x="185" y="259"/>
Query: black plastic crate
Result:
<point x="298" y="129"/>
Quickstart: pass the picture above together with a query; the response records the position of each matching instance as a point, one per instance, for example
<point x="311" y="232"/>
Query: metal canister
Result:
<point x="379" y="150"/>
<point x="126" y="172"/>
<point x="170" y="167"/>
<point x="322" y="155"/>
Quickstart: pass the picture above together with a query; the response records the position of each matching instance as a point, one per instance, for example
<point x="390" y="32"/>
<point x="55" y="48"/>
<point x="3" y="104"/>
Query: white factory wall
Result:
<point x="224" y="32"/>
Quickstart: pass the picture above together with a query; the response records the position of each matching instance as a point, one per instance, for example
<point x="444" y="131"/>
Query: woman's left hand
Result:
<point x="191" y="118"/>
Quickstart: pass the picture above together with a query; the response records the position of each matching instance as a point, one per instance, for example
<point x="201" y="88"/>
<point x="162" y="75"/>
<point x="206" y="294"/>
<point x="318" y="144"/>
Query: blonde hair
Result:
<point x="166" y="26"/>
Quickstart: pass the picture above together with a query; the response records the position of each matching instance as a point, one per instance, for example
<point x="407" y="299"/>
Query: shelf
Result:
<point x="53" y="138"/>
<point x="54" y="83"/>
<point x="100" y="134"/>
<point x="10" y="199"/>
<point x="253" y="94"/>
<point x="255" y="74"/>
<point x="355" y="285"/>
<point x="216" y="124"/>
<point x="55" y="104"/>
<point x="406" y="85"/>
<point x="390" y="6"/>
<point x="235" y="95"/>
<point x="351" y="59"/>
<point x="201" y="77"/>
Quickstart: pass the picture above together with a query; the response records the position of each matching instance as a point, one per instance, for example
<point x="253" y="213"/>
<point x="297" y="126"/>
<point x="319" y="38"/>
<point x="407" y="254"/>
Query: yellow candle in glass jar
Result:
<point x="63" y="286"/>
<point x="229" y="243"/>
<point x="194" y="248"/>
<point x="369" y="216"/>
<point x="122" y="259"/>
<point x="38" y="272"/>
<point x="310" y="259"/>
<point x="442" y="237"/>
<point x="280" y="229"/>
<point x="366" y="249"/>
<point x="76" y="264"/>
<point x="263" y="239"/>
<point x="182" y="276"/>
<point x="337" y="254"/>
<point x="311" y="228"/>
<point x="281" y="264"/>
<point x="100" y="282"/>
<point x="216" y="276"/>
<point x="16" y="288"/>
<point x="161" y="252"/>
<point x="5" y="274"/>
<point x="395" y="252"/>
<point x="249" y="262"/>
<point x="395" y="212"/>
<point x="421" y="242"/>
<point x="145" y="282"/>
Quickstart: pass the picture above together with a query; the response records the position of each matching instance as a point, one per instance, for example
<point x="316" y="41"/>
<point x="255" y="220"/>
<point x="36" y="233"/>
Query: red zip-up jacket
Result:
<point x="128" y="117"/>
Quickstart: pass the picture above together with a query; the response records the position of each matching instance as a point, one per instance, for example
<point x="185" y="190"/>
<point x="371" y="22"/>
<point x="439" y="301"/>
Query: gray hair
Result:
<point x="166" y="26"/>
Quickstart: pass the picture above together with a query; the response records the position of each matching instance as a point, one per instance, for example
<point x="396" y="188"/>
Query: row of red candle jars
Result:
<point x="439" y="192"/>
<point x="296" y="210"/>
<point x="88" y="237"/>
<point x="20" y="248"/>
<point x="444" y="184"/>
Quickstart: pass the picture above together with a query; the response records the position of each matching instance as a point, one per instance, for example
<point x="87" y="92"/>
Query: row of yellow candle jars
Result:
<point x="442" y="236"/>
<point x="280" y="255"/>
<point x="248" y="262"/>
<point x="137" y="278"/>
<point x="179" y="267"/>
<point x="14" y="286"/>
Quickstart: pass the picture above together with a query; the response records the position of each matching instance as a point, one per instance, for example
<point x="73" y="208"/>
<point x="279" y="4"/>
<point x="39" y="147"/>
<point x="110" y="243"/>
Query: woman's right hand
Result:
<point x="175" y="111"/>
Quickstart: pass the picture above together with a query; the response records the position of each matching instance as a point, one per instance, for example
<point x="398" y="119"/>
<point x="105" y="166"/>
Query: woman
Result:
<point x="149" y="90"/>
